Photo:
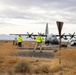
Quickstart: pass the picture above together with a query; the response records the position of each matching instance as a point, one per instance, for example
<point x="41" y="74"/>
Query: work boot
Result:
<point x="40" y="51"/>
<point x="34" y="51"/>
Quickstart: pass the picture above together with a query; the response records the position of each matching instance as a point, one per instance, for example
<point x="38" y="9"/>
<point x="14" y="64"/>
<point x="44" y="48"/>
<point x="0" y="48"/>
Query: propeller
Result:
<point x="29" y="35"/>
<point x="62" y="35"/>
<point x="72" y="35"/>
<point x="40" y="33"/>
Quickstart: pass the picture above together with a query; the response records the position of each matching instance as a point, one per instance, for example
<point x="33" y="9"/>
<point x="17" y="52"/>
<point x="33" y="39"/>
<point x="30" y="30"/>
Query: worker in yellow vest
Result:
<point x="39" y="39"/>
<point x="19" y="41"/>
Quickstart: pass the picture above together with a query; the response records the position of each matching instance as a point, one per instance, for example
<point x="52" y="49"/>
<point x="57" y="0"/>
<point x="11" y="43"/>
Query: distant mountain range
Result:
<point x="12" y="37"/>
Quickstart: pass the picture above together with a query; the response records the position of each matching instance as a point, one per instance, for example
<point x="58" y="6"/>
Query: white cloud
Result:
<point x="36" y="10"/>
<point x="32" y="15"/>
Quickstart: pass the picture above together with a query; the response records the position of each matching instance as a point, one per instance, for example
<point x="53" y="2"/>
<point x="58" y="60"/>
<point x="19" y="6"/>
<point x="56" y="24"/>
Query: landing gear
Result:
<point x="47" y="43"/>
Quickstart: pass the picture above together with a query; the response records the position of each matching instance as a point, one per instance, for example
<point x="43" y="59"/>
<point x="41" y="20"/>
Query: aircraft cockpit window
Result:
<point x="53" y="36"/>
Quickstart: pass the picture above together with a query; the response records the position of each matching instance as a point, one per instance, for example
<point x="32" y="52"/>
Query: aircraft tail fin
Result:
<point x="46" y="30"/>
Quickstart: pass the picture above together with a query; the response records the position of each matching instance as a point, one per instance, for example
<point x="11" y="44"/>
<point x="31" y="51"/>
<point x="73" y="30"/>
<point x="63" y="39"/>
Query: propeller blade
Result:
<point x="27" y="37"/>
<point x="27" y="33"/>
<point x="72" y="35"/>
<point x="62" y="35"/>
<point x="69" y="34"/>
<point x="31" y="34"/>
<point x="75" y="37"/>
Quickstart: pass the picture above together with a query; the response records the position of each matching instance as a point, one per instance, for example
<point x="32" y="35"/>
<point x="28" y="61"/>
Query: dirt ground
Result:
<point x="9" y="57"/>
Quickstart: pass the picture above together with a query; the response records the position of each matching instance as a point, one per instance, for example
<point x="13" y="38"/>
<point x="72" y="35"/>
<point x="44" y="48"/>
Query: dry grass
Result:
<point x="28" y="43"/>
<point x="15" y="65"/>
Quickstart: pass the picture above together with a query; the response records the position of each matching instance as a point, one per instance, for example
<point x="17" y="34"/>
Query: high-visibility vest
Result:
<point x="19" y="39"/>
<point x="39" y="39"/>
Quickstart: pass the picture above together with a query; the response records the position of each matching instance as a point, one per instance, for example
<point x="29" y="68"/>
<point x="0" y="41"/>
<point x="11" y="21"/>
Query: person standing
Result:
<point x="39" y="39"/>
<point x="19" y="41"/>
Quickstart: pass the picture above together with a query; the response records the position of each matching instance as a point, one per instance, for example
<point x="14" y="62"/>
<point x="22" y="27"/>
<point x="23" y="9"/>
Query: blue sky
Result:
<point x="22" y="16"/>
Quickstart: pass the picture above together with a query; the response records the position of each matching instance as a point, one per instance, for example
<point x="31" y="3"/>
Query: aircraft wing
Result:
<point x="24" y="34"/>
<point x="29" y="35"/>
<point x="65" y="35"/>
<point x="70" y="35"/>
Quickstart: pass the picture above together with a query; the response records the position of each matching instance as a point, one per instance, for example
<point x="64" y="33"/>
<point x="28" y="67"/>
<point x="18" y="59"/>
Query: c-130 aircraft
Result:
<point x="50" y="38"/>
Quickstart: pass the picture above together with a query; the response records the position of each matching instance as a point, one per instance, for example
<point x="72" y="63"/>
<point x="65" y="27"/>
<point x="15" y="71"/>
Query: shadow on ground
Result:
<point x="36" y="54"/>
